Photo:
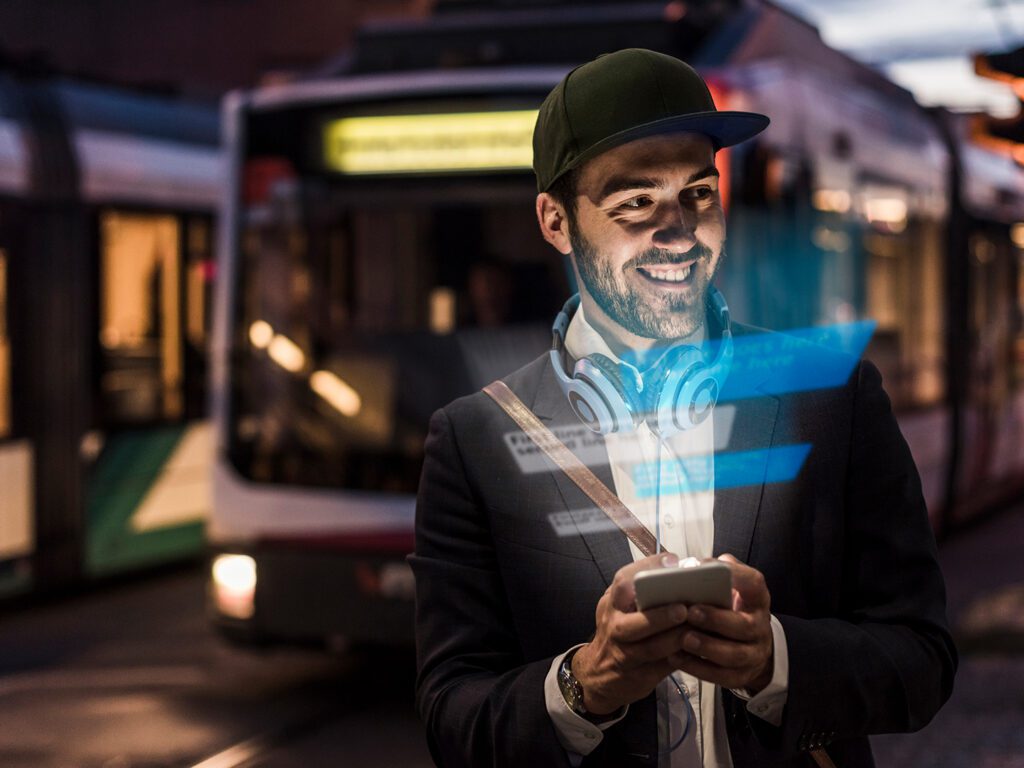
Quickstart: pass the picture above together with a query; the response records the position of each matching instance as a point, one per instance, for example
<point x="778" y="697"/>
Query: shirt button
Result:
<point x="669" y="522"/>
<point x="762" y="708"/>
<point x="589" y="735"/>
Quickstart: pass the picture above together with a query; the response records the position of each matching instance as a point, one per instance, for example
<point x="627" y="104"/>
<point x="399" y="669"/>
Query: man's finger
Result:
<point x="749" y="582"/>
<point x="654" y="649"/>
<point x="622" y="592"/>
<point x="734" y="625"/>
<point x="725" y="653"/>
<point x="639" y="625"/>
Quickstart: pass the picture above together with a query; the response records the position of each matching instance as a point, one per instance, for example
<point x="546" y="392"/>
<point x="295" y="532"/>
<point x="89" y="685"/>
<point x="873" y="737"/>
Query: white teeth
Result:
<point x="670" y="275"/>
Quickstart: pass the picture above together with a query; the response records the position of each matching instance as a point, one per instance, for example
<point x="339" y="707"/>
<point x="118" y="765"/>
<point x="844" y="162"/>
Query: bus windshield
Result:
<point x="364" y="303"/>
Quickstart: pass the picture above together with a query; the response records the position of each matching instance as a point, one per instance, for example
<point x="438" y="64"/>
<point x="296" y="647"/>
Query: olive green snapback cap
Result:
<point x="627" y="95"/>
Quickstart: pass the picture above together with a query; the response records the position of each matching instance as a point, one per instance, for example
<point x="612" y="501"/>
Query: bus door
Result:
<point x="148" y="489"/>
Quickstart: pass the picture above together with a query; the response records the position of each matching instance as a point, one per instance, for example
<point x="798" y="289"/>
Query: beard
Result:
<point x="674" y="316"/>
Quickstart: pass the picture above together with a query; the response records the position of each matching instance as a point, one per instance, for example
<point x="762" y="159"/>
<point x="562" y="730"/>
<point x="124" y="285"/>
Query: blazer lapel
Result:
<point x="607" y="544"/>
<point x="740" y="471"/>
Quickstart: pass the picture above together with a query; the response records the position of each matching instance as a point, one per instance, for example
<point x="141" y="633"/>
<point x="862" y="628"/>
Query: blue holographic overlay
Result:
<point x="724" y="470"/>
<point x="798" y="360"/>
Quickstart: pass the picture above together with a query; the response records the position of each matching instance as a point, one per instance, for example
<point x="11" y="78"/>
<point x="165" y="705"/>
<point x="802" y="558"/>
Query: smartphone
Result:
<point x="707" y="583"/>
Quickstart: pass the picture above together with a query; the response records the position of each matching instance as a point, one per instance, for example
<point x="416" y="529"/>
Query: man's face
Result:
<point x="649" y="232"/>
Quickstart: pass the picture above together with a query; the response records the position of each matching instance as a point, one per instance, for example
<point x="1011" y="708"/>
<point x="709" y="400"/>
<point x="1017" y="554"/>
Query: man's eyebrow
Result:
<point x="704" y="173"/>
<point x="622" y="183"/>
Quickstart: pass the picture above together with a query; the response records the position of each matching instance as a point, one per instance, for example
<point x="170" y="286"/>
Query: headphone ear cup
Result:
<point x="628" y="393"/>
<point x="684" y="391"/>
<point x="600" y="399"/>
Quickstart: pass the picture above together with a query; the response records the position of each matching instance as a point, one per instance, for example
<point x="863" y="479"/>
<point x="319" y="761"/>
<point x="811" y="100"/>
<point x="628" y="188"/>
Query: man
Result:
<point x="531" y="650"/>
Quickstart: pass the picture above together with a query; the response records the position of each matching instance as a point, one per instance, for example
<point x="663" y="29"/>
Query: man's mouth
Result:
<point x="668" y="273"/>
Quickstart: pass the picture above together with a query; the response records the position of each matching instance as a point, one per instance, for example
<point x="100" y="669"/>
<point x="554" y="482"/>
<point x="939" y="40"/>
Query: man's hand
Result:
<point x="631" y="650"/>
<point x="732" y="648"/>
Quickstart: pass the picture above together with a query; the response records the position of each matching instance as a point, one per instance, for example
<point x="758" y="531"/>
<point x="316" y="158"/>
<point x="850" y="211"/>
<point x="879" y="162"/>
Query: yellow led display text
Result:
<point x="467" y="141"/>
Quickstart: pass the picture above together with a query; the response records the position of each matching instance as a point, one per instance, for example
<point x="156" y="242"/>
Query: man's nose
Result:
<point x="676" y="228"/>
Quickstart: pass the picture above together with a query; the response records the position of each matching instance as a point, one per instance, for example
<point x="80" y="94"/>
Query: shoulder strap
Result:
<point x="569" y="463"/>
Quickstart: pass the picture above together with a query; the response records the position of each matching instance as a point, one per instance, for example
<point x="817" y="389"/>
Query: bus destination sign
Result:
<point x="464" y="141"/>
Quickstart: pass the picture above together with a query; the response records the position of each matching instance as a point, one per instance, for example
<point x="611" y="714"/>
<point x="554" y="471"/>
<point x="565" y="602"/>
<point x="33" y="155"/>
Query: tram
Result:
<point x="107" y="206"/>
<point x="380" y="258"/>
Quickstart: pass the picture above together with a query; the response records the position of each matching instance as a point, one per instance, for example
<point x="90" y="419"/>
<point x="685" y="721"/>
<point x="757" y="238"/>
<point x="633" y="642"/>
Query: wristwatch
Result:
<point x="572" y="692"/>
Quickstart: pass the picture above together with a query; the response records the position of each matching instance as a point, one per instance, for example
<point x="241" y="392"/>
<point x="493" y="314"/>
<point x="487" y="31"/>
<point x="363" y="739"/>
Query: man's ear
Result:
<point x="554" y="225"/>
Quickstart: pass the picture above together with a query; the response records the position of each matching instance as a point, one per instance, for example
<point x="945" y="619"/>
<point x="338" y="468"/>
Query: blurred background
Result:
<point x="247" y="247"/>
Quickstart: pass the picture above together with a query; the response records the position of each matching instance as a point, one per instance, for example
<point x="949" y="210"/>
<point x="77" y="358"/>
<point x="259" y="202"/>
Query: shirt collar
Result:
<point x="582" y="339"/>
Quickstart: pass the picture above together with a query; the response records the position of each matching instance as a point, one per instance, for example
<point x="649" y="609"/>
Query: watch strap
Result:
<point x="572" y="692"/>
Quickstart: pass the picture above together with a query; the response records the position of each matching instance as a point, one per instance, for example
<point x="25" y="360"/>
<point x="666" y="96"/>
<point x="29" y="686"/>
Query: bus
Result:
<point x="380" y="257"/>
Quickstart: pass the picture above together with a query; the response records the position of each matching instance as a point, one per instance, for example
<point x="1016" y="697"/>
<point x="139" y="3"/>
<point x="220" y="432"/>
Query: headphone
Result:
<point x="677" y="392"/>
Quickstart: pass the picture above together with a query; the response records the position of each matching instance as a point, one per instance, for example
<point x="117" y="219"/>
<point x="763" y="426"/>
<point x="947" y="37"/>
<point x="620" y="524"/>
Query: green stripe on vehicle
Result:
<point x="128" y="467"/>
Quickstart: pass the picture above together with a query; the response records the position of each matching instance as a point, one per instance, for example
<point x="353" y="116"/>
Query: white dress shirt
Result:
<point x="683" y="503"/>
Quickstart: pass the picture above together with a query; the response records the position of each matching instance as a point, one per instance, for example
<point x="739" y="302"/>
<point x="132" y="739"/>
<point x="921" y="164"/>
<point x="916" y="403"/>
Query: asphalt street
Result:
<point x="133" y="677"/>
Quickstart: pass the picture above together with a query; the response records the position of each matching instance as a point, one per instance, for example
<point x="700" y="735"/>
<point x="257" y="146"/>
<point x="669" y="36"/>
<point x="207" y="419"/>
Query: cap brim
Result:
<point x="725" y="129"/>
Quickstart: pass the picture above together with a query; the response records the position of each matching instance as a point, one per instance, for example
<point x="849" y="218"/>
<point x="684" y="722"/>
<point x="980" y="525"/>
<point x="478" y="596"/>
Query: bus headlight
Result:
<point x="234" y="585"/>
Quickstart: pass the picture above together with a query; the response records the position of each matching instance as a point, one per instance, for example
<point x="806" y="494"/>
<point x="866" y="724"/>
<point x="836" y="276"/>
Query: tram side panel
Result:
<point x="992" y="468"/>
<point x="151" y="178"/>
<point x="104" y="161"/>
<point x="839" y="214"/>
<point x="50" y="307"/>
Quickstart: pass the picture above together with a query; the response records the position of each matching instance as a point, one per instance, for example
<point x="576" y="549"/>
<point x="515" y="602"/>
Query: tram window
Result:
<point x="992" y="317"/>
<point x="5" y="353"/>
<point x="140" y="317"/>
<point x="905" y="297"/>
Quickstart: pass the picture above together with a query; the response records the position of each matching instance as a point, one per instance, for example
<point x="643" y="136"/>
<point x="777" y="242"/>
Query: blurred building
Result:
<point x="198" y="48"/>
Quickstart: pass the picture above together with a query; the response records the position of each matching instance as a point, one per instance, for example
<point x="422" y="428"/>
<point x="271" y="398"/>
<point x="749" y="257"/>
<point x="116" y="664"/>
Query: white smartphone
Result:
<point x="707" y="583"/>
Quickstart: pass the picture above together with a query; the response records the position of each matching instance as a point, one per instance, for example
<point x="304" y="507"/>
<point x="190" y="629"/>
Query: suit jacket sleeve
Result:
<point x="482" y="704"/>
<point x="886" y="662"/>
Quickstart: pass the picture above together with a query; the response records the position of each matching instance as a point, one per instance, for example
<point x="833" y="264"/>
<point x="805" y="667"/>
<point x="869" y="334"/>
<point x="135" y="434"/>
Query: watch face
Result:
<point x="571" y="689"/>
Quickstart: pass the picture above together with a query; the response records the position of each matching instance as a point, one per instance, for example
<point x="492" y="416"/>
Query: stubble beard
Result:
<point x="675" y="317"/>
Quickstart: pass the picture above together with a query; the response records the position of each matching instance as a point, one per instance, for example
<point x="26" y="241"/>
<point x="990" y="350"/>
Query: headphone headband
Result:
<point x="561" y="324"/>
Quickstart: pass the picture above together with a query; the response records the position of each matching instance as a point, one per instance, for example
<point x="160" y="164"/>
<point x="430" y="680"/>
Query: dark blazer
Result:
<point x="845" y="548"/>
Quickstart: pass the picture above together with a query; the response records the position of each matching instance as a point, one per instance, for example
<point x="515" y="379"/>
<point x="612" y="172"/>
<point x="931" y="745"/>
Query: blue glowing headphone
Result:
<point x="677" y="392"/>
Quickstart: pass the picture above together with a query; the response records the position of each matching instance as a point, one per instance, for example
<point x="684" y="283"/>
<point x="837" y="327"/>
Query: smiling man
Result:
<point x="653" y="205"/>
<point x="531" y="648"/>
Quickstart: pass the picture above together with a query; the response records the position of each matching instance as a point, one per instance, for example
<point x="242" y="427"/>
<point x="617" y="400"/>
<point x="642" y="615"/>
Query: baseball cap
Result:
<point x="623" y="96"/>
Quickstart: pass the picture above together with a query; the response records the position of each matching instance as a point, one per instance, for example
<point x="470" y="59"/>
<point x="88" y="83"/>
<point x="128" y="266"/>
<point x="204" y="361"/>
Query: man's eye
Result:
<point x="699" y="193"/>
<point x="636" y="203"/>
